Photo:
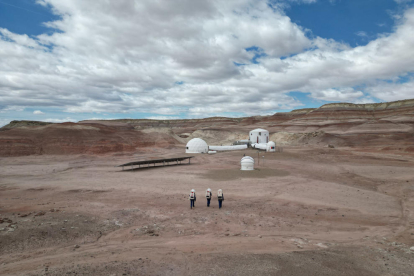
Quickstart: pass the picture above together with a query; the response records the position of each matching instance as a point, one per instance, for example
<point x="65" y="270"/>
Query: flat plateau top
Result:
<point x="153" y="161"/>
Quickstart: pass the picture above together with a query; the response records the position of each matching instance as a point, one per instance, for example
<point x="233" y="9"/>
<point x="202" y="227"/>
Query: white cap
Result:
<point x="192" y="190"/>
<point x="209" y="189"/>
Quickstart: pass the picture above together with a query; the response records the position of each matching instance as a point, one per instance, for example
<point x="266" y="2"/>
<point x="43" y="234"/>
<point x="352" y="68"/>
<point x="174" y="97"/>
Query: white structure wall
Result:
<point x="259" y="136"/>
<point x="247" y="163"/>
<point x="271" y="146"/>
<point x="259" y="146"/>
<point x="196" y="145"/>
<point x="224" y="148"/>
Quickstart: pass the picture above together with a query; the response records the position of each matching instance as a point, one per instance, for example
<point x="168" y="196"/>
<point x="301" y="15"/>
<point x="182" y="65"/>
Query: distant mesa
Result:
<point x="303" y="110"/>
<point x="381" y="126"/>
<point x="14" y="124"/>
<point x="370" y="106"/>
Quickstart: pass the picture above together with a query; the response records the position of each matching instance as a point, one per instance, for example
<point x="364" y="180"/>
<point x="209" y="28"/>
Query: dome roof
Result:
<point x="196" y="145"/>
<point x="247" y="159"/>
<point x="271" y="144"/>
<point x="259" y="130"/>
<point x="247" y="163"/>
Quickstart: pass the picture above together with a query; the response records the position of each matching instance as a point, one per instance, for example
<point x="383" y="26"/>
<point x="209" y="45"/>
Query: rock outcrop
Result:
<point x="71" y="138"/>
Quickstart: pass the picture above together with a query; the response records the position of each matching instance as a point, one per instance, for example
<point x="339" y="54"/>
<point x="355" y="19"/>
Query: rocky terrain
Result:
<point x="347" y="125"/>
<point x="337" y="200"/>
<point x="304" y="211"/>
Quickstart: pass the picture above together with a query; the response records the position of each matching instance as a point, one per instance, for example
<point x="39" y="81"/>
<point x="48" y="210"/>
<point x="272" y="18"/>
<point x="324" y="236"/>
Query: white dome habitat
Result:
<point x="247" y="163"/>
<point x="196" y="145"/>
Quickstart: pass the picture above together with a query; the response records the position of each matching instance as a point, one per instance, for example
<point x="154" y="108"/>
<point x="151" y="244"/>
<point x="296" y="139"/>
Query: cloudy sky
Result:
<point x="69" y="60"/>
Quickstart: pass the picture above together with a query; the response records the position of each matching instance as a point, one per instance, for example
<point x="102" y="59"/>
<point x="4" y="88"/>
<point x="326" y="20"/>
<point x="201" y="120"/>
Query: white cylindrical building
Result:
<point x="196" y="145"/>
<point x="224" y="148"/>
<point x="271" y="146"/>
<point x="247" y="163"/>
<point x="259" y="146"/>
<point x="259" y="136"/>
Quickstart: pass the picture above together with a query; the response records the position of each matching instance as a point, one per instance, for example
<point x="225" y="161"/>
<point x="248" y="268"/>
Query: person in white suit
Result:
<point x="208" y="196"/>
<point x="192" y="198"/>
<point x="220" y="197"/>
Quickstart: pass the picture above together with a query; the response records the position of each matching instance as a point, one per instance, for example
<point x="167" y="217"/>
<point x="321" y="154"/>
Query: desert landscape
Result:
<point x="337" y="200"/>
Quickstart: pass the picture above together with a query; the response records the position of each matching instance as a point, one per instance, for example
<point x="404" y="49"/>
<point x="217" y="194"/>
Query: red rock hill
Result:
<point x="385" y="126"/>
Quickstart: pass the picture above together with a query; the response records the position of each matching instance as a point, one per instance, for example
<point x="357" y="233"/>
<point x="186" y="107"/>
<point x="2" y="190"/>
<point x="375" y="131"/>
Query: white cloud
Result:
<point x="302" y="1"/>
<point x="4" y="122"/>
<point x="133" y="64"/>
<point x="365" y="100"/>
<point x="390" y="91"/>
<point x="10" y="108"/>
<point x="99" y="119"/>
<point x="21" y="40"/>
<point x="55" y="120"/>
<point x="162" y="117"/>
<point x="38" y="112"/>
<point x="361" y="33"/>
<point x="342" y="94"/>
<point x="402" y="1"/>
<point x="129" y="56"/>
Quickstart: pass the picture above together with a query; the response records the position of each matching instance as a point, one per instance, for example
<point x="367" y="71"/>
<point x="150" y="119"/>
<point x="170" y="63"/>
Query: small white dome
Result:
<point x="196" y="145"/>
<point x="247" y="159"/>
<point x="247" y="163"/>
<point x="271" y="146"/>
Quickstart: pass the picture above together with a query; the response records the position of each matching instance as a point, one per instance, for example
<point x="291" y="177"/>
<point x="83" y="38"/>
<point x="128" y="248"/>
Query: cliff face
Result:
<point x="387" y="126"/>
<point x="71" y="138"/>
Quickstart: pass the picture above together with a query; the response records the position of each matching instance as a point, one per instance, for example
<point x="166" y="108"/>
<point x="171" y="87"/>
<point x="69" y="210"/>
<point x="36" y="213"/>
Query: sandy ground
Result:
<point x="305" y="211"/>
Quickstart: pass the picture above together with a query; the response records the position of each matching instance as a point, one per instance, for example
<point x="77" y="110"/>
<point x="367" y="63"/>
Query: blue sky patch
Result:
<point x="258" y="53"/>
<point x="25" y="17"/>
<point x="305" y="98"/>
<point x="355" y="22"/>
